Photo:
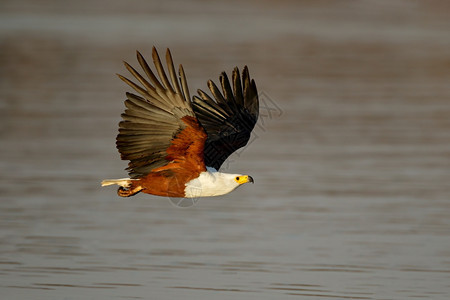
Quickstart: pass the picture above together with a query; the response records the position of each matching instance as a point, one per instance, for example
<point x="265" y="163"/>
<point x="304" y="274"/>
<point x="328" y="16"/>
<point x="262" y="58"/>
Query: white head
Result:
<point x="213" y="183"/>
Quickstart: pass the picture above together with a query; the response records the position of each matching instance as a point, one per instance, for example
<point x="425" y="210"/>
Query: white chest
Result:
<point x="210" y="183"/>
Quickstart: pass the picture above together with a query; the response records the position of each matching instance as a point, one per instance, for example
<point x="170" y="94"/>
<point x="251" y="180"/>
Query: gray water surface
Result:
<point x="351" y="156"/>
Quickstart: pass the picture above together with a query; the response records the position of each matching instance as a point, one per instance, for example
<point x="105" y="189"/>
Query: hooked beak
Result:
<point x="244" y="179"/>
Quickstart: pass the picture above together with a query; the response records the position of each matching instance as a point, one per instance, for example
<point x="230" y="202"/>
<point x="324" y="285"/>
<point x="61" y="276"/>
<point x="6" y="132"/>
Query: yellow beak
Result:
<point x="244" y="179"/>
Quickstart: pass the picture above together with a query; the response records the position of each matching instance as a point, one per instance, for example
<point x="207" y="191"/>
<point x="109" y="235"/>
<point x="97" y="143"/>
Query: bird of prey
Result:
<point x="176" y="145"/>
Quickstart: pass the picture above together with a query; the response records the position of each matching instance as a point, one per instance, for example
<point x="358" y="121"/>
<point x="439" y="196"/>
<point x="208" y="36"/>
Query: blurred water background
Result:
<point x="351" y="157"/>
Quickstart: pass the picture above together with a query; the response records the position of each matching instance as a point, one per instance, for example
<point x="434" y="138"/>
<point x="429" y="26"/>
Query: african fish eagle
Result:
<point x="175" y="146"/>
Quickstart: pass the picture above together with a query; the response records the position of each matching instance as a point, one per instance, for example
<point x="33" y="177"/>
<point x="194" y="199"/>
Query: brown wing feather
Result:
<point x="159" y="130"/>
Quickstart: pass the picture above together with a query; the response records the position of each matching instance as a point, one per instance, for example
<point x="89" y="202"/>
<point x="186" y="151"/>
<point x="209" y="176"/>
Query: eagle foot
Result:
<point x="125" y="192"/>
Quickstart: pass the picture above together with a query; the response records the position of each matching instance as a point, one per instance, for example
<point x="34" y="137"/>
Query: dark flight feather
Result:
<point x="230" y="118"/>
<point x="152" y="120"/>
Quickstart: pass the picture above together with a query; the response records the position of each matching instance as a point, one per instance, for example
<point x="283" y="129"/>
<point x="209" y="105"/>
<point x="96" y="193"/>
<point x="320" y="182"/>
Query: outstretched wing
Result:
<point x="230" y="118"/>
<point x="159" y="126"/>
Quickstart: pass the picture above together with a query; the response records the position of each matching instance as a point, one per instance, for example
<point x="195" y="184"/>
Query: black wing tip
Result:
<point x="245" y="73"/>
<point x="223" y="74"/>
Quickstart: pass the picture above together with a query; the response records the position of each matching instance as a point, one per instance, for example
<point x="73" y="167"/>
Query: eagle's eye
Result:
<point x="237" y="178"/>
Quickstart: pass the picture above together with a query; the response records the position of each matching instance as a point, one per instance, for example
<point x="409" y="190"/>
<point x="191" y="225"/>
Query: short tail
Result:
<point x="123" y="182"/>
<point x="126" y="188"/>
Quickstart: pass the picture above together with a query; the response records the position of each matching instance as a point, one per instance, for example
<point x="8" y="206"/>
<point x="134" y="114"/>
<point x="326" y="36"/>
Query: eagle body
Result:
<point x="209" y="183"/>
<point x="175" y="145"/>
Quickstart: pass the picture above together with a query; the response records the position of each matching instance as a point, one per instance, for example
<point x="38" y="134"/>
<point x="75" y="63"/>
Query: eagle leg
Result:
<point x="124" y="192"/>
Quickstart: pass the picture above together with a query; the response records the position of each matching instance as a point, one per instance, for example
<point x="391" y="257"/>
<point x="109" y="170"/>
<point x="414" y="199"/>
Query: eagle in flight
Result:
<point x="175" y="146"/>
